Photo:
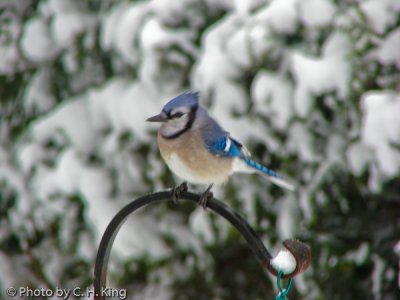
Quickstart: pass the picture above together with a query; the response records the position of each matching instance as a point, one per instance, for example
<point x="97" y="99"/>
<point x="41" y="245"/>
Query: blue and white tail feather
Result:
<point x="247" y="165"/>
<point x="226" y="146"/>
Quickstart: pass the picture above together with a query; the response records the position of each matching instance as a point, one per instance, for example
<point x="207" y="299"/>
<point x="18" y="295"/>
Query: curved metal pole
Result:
<point x="300" y="251"/>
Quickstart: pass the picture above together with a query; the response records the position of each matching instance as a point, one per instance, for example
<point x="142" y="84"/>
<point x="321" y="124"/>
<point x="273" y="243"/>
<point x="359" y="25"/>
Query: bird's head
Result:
<point x="178" y="114"/>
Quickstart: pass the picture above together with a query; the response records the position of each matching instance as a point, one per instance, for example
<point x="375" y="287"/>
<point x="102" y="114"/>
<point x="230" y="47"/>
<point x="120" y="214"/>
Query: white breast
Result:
<point x="180" y="169"/>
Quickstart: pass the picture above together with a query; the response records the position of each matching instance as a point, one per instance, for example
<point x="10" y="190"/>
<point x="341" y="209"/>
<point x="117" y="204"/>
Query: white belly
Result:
<point x="189" y="160"/>
<point x="181" y="170"/>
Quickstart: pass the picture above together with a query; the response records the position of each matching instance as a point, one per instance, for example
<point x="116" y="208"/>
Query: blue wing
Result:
<point x="219" y="142"/>
<point x="226" y="147"/>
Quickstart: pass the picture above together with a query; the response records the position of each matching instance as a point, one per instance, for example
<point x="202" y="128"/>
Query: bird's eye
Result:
<point x="178" y="115"/>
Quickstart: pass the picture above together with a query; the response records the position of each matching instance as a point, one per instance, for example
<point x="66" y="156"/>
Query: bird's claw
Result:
<point x="207" y="195"/>
<point x="177" y="191"/>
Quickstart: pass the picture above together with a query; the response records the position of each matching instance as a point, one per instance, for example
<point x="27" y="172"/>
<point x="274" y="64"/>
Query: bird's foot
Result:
<point x="207" y="195"/>
<point x="177" y="191"/>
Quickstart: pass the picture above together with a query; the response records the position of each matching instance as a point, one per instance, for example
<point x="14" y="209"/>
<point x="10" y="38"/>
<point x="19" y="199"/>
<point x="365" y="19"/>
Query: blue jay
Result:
<point x="198" y="150"/>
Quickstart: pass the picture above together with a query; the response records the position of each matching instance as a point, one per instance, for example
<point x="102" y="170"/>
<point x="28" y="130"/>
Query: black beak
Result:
<point x="161" y="117"/>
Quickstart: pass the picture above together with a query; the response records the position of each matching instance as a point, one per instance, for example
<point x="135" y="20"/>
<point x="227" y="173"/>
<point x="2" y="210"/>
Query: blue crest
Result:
<point x="187" y="99"/>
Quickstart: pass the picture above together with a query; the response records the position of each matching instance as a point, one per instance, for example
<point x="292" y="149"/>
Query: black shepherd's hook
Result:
<point x="300" y="251"/>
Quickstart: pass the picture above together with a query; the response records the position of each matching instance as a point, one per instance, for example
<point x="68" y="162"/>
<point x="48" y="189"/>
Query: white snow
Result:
<point x="305" y="203"/>
<point x="288" y="218"/>
<point x="211" y="79"/>
<point x="153" y="38"/>
<point x="377" y="275"/>
<point x="44" y="182"/>
<point x="137" y="237"/>
<point x="389" y="53"/>
<point x="10" y="30"/>
<point x="65" y="28"/>
<point x="171" y="11"/>
<point x="121" y="28"/>
<point x="396" y="250"/>
<point x="55" y="7"/>
<point x="242" y="7"/>
<point x="15" y="267"/>
<point x="68" y="172"/>
<point x="127" y="111"/>
<point x="37" y="42"/>
<point x="301" y="142"/>
<point x="29" y="156"/>
<point x="81" y="119"/>
<point x="207" y="72"/>
<point x="360" y="255"/>
<point x="15" y="180"/>
<point x="381" y="13"/>
<point x="103" y="104"/>
<point x="280" y="15"/>
<point x="110" y="24"/>
<point x="317" y="75"/>
<point x="358" y="157"/>
<point x="246" y="195"/>
<point x="9" y="55"/>
<point x="381" y="129"/>
<point x="71" y="119"/>
<point x="315" y="13"/>
<point x="273" y="96"/>
<point x="38" y="95"/>
<point x="238" y="48"/>
<point x="200" y="224"/>
<point x="284" y="261"/>
<point x="219" y="4"/>
<point x="156" y="41"/>
<point x="261" y="42"/>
